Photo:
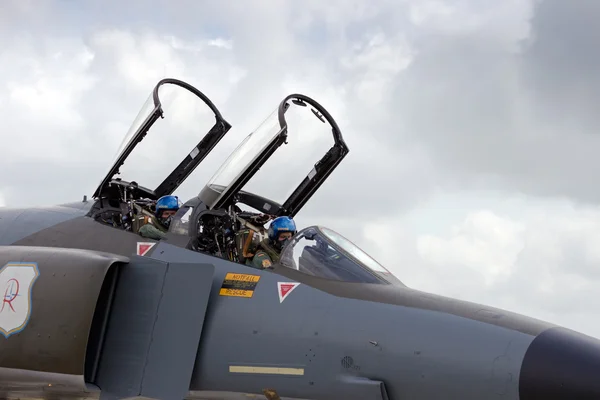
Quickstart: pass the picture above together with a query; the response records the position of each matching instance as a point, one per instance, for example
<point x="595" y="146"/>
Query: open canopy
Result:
<point x="238" y="171"/>
<point x="324" y="253"/>
<point x="189" y="105"/>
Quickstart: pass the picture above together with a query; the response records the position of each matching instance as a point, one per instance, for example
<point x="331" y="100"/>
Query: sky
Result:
<point x="472" y="124"/>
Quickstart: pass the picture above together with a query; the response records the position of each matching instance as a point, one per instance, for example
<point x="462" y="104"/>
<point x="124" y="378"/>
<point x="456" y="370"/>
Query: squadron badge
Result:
<point x="16" y="283"/>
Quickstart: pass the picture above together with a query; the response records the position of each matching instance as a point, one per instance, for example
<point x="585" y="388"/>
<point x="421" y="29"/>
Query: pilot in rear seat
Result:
<point x="280" y="231"/>
<point x="156" y="228"/>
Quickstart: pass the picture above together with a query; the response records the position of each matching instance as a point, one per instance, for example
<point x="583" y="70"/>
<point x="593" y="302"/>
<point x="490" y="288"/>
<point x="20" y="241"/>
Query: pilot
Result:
<point x="280" y="231"/>
<point x="156" y="228"/>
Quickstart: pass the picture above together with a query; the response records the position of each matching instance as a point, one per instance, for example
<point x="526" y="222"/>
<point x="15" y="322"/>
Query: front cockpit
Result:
<point x="233" y="211"/>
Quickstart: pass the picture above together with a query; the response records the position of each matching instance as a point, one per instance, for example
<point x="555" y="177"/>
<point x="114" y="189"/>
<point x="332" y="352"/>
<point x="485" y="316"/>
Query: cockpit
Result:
<point x="224" y="229"/>
<point x="288" y="157"/>
<point x="177" y="117"/>
<point x="231" y="217"/>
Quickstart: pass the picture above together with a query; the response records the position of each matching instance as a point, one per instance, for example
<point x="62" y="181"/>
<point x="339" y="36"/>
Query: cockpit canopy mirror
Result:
<point x="324" y="253"/>
<point x="182" y="110"/>
<point x="299" y="121"/>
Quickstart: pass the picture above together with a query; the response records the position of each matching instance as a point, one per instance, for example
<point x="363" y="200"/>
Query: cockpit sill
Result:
<point x="314" y="251"/>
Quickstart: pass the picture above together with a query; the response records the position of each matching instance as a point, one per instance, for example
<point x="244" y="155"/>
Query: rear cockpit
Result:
<point x="175" y="116"/>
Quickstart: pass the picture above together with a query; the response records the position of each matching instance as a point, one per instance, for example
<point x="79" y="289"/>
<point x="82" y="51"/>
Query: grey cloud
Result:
<point x="494" y="117"/>
<point x="562" y="60"/>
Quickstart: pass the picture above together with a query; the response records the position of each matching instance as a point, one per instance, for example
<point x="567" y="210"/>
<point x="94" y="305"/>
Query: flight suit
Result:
<point x="152" y="230"/>
<point x="265" y="256"/>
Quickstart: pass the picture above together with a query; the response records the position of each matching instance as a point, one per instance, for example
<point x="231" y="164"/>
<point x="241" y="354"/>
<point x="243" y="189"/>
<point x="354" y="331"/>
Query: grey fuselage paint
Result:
<point x="18" y="223"/>
<point x="422" y="346"/>
<point x="419" y="354"/>
<point x="68" y="285"/>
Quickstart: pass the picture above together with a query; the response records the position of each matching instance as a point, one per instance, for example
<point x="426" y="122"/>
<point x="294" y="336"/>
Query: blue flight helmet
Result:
<point x="277" y="227"/>
<point x="166" y="203"/>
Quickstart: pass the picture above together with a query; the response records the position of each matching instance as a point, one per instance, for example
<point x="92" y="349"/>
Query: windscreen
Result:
<point x="308" y="139"/>
<point x="186" y="119"/>
<point x="181" y="221"/>
<point x="353" y="250"/>
<point x="313" y="252"/>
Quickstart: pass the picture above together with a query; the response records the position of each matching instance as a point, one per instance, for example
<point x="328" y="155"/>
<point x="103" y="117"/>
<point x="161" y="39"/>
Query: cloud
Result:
<point x="70" y="97"/>
<point x="439" y="102"/>
<point x="505" y="99"/>
<point x="541" y="262"/>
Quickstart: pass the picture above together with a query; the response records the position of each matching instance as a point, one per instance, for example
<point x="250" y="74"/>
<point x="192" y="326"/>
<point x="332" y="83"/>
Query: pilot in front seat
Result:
<point x="268" y="251"/>
<point x="156" y="228"/>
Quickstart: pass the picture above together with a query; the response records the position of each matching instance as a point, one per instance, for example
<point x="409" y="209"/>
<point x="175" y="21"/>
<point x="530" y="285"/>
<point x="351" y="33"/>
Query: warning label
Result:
<point x="285" y="288"/>
<point x="239" y="285"/>
<point x="144" y="247"/>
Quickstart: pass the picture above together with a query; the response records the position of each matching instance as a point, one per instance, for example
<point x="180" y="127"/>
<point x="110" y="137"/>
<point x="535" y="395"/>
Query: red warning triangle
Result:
<point x="285" y="288"/>
<point x="144" y="247"/>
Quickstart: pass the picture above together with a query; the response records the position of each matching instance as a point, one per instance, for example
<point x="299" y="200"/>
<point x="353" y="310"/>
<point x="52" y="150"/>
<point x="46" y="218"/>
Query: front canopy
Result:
<point x="314" y="148"/>
<point x="324" y="253"/>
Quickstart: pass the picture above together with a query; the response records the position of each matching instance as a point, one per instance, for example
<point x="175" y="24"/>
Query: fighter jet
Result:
<point x="93" y="310"/>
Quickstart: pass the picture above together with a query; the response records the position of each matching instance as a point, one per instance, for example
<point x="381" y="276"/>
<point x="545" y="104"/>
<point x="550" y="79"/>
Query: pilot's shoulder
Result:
<point x="261" y="259"/>
<point x="261" y="255"/>
<point x="151" y="232"/>
<point x="147" y="228"/>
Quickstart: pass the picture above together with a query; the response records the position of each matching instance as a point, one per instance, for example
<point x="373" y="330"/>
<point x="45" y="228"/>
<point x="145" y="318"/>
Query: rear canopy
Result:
<point x="111" y="187"/>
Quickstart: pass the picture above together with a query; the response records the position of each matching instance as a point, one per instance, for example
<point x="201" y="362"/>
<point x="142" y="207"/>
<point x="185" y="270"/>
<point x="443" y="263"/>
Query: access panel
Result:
<point x="154" y="329"/>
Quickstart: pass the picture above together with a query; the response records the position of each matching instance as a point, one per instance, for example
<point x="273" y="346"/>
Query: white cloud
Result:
<point x="43" y="85"/>
<point x="484" y="244"/>
<point x="142" y="60"/>
<point x="69" y="97"/>
<point x="544" y="263"/>
<point x="374" y="62"/>
<point x="433" y="98"/>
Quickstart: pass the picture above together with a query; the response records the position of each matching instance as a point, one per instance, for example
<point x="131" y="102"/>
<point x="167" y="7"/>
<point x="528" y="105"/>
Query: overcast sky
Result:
<point x="472" y="124"/>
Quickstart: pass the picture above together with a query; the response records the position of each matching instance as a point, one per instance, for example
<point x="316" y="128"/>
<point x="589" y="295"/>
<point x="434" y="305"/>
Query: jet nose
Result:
<point x="561" y="364"/>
